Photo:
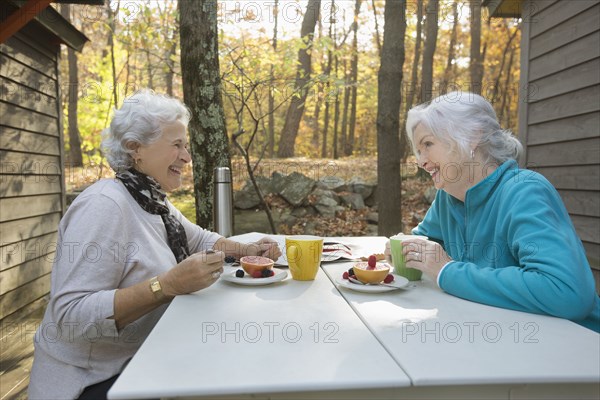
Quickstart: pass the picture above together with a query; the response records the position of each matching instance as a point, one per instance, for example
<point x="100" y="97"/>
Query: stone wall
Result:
<point x="303" y="196"/>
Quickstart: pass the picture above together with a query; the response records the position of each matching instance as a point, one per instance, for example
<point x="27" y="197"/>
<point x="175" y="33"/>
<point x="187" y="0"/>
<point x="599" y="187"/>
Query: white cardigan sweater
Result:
<point x="106" y="241"/>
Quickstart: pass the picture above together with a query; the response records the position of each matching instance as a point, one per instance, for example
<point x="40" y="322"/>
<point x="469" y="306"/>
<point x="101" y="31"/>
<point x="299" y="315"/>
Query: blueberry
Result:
<point x="266" y="273"/>
<point x="239" y="273"/>
<point x="351" y="271"/>
<point x="229" y="259"/>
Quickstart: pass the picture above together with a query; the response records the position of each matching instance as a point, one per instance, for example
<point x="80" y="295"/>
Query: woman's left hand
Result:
<point x="265" y="247"/>
<point x="425" y="255"/>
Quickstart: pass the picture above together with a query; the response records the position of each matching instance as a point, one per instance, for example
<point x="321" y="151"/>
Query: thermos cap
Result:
<point x="222" y="175"/>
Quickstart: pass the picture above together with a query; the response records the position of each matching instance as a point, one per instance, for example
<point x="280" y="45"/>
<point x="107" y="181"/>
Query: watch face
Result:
<point x="155" y="286"/>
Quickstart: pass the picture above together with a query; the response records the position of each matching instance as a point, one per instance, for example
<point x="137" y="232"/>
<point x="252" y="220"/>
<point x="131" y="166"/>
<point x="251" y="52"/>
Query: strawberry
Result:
<point x="257" y="274"/>
<point x="372" y="262"/>
<point x="345" y="275"/>
<point x="389" y="278"/>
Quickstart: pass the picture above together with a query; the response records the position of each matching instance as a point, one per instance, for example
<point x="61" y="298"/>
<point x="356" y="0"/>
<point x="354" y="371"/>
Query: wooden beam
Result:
<point x="19" y="18"/>
<point x="504" y="8"/>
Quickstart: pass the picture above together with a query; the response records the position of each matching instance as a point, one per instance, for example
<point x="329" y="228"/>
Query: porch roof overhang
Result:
<point x="18" y="13"/>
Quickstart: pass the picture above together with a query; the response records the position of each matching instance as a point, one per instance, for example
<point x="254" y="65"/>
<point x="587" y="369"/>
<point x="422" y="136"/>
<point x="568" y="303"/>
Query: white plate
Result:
<point x="250" y="281"/>
<point x="398" y="283"/>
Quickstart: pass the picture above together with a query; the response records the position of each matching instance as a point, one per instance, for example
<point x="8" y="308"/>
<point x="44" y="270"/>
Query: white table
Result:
<point x="445" y="343"/>
<point x="312" y="340"/>
<point x="283" y="338"/>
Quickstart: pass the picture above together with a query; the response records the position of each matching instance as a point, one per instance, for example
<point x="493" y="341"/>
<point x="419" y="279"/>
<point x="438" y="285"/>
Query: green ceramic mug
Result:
<point x="398" y="260"/>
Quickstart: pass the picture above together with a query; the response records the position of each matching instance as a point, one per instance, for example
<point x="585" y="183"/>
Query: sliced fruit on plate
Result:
<point x="252" y="264"/>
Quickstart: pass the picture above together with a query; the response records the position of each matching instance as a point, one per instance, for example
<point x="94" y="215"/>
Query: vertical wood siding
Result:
<point x="31" y="177"/>
<point x="560" y="122"/>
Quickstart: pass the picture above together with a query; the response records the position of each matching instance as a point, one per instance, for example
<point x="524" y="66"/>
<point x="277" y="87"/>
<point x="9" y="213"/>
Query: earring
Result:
<point x="472" y="154"/>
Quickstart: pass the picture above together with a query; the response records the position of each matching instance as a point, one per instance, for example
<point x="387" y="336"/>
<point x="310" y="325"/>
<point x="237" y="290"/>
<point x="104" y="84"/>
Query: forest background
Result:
<point x="263" y="51"/>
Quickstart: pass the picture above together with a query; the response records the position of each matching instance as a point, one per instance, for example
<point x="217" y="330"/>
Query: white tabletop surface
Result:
<point x="228" y="339"/>
<point x="440" y="339"/>
<point x="311" y="337"/>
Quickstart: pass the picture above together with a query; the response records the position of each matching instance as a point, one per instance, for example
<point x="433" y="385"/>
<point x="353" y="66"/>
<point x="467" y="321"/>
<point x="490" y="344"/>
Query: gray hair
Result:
<point x="460" y="119"/>
<point x="140" y="119"/>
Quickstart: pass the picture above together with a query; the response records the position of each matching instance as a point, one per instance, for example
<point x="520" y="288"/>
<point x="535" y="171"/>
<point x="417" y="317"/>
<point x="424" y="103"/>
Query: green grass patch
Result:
<point x="184" y="201"/>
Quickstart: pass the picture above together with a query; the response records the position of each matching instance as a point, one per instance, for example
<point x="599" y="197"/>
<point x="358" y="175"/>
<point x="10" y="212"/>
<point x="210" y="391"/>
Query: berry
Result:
<point x="239" y="273"/>
<point x="229" y="259"/>
<point x="372" y="262"/>
<point x="345" y="275"/>
<point x="257" y="274"/>
<point x="351" y="271"/>
<point x="389" y="278"/>
<point x="265" y="273"/>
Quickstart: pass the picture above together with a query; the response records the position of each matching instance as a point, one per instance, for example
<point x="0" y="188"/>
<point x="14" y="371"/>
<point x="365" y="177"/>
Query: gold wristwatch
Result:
<point x="156" y="288"/>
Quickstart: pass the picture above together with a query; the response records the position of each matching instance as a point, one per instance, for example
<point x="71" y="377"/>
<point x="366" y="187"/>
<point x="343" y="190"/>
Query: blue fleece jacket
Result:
<point x="514" y="246"/>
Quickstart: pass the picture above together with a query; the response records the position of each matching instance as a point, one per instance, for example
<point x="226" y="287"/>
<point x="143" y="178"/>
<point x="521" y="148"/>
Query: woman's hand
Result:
<point x="198" y="271"/>
<point x="425" y="255"/>
<point x="265" y="247"/>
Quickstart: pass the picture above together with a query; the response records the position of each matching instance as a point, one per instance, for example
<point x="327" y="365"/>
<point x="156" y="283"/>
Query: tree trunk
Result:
<point x="508" y="46"/>
<point x="289" y="133"/>
<point x="345" y="110"/>
<point x="319" y="100"/>
<point x="388" y="123"/>
<point x="315" y="137"/>
<point x="505" y="107"/>
<point x="326" y="122"/>
<point x="431" y="31"/>
<point x="414" y="78"/>
<point x="272" y="84"/>
<point x="128" y="62"/>
<point x="171" y="32"/>
<point x="202" y="92"/>
<point x="149" y="70"/>
<point x="476" y="61"/>
<point x="328" y="86"/>
<point x="453" y="36"/>
<point x="169" y="75"/>
<point x="75" y="156"/>
<point x="353" y="81"/>
<point x="377" y="34"/>
<point x="111" y="46"/>
<point x="336" y="111"/>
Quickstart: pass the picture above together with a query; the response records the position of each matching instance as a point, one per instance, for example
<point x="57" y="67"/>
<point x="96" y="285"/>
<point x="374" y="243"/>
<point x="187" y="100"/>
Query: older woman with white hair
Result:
<point x="123" y="253"/>
<point x="498" y="234"/>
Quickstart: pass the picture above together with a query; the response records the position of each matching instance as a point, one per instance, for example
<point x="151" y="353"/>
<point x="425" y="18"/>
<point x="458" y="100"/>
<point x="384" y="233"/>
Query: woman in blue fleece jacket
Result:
<point x="499" y="235"/>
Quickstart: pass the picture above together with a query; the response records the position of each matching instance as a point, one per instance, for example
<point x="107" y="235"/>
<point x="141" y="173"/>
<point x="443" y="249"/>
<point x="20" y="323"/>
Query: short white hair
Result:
<point x="140" y="120"/>
<point x="460" y="119"/>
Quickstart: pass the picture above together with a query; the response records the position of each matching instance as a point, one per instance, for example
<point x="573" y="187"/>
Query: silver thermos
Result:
<point x="222" y="202"/>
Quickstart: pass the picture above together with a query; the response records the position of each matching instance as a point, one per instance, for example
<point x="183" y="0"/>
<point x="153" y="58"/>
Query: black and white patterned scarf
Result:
<point x="148" y="194"/>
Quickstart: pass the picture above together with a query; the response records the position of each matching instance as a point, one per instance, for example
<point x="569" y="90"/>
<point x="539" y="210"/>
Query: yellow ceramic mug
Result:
<point x="304" y="256"/>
